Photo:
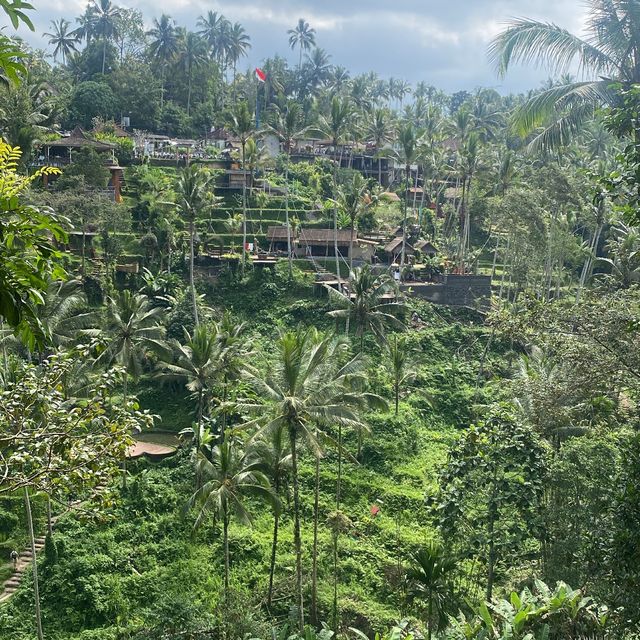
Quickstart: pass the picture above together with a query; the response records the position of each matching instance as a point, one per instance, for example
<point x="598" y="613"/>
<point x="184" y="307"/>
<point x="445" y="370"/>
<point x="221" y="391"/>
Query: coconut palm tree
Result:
<point x="64" y="318"/>
<point x="303" y="37"/>
<point x="133" y="330"/>
<point x="230" y="477"/>
<point x="609" y="54"/>
<point x="372" y="303"/>
<point x="197" y="364"/>
<point x="239" y="45"/>
<point x="353" y="199"/>
<point x="317" y="69"/>
<point x="288" y="124"/>
<point x="211" y="27"/>
<point x="242" y="125"/>
<point x="105" y="23"/>
<point x="163" y="46"/>
<point x="300" y="391"/>
<point x="379" y="130"/>
<point x="430" y="579"/>
<point x="193" y="193"/>
<point x="193" y="54"/>
<point x="399" y="365"/>
<point x="273" y="453"/>
<point x="63" y="40"/>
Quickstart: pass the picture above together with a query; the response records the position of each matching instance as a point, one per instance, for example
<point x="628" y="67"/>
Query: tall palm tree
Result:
<point x="193" y="193"/>
<point x="399" y="363"/>
<point x="197" y="363"/>
<point x="336" y="127"/>
<point x="300" y="391"/>
<point x="163" y="46"/>
<point x="193" y="54"/>
<point x="211" y="27"/>
<point x="318" y="68"/>
<point x="239" y="45"/>
<point x="133" y="330"/>
<point x="242" y="125"/>
<point x="273" y="453"/>
<point x="303" y="37"/>
<point x="609" y="54"/>
<point x="371" y="303"/>
<point x="353" y="201"/>
<point x="62" y="39"/>
<point x="105" y="23"/>
<point x="379" y="130"/>
<point x="230" y="477"/>
<point x="288" y="124"/>
<point x="430" y="579"/>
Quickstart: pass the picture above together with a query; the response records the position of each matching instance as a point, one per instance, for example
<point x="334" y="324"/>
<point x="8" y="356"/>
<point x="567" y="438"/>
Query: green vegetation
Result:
<point x="198" y="440"/>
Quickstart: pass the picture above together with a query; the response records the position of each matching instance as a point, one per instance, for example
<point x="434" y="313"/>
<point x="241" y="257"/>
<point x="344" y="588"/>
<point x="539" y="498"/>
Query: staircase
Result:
<point x="11" y="585"/>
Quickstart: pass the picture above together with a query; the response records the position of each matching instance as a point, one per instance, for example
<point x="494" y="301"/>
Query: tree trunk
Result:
<point x="314" y="561"/>
<point x="396" y="390"/>
<point x="225" y="532"/>
<point x="339" y="476"/>
<point x="296" y="528"/>
<point x="404" y="218"/>
<point x="274" y="549"/>
<point x="189" y="93"/>
<point x="125" y="380"/>
<point x="192" y="285"/>
<point x="34" y="561"/>
<point x="104" y="53"/>
<point x="335" y="225"/>
<point x="286" y="215"/>
<point x="335" y="583"/>
<point x="244" y="206"/>
<point x="49" y="518"/>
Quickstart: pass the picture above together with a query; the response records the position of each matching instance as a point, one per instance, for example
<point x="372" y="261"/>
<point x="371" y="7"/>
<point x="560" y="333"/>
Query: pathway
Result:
<point x="10" y="586"/>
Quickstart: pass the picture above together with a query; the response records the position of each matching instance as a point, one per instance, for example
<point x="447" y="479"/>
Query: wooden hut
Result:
<point x="277" y="237"/>
<point x="425" y="248"/>
<point x="393" y="250"/>
<point x="320" y="243"/>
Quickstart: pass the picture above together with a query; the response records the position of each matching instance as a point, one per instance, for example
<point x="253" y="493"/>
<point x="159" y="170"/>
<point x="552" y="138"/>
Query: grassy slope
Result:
<point x="144" y="562"/>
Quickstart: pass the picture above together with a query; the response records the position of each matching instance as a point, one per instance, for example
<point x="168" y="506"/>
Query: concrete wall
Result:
<point x="455" y="290"/>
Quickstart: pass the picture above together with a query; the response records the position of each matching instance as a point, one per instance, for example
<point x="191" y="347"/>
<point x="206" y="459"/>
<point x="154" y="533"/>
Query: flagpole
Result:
<point x="257" y="104"/>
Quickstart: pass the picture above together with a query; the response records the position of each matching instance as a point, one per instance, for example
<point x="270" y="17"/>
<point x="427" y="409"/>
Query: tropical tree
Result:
<point x="288" y="124"/>
<point x="273" y="453"/>
<point x="192" y="54"/>
<point x="372" y="303"/>
<point x="353" y="200"/>
<point x="239" y="45"/>
<point x="302" y="390"/>
<point x="164" y="46"/>
<point x="399" y="364"/>
<point x="430" y="579"/>
<point x="63" y="40"/>
<point x="104" y="23"/>
<point x="609" y="53"/>
<point x="230" y="477"/>
<point x="197" y="364"/>
<point x="133" y="330"/>
<point x="379" y="130"/>
<point x="193" y="193"/>
<point x="303" y="37"/>
<point x="242" y="124"/>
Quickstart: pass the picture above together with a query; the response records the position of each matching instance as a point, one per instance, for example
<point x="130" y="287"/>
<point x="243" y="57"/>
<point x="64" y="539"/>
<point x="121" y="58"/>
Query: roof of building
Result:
<point x="277" y="233"/>
<point x="425" y="246"/>
<point x="390" y="196"/>
<point x="395" y="244"/>
<point x="326" y="236"/>
<point x="451" y="193"/>
<point x="79" y="138"/>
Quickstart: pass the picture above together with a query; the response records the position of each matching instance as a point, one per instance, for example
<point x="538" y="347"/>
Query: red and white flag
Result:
<point x="261" y="76"/>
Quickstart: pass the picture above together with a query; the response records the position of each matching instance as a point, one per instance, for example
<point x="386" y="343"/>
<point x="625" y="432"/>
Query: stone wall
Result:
<point x="454" y="290"/>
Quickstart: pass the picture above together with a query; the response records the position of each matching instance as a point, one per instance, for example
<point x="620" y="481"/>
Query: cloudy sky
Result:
<point x="441" y="41"/>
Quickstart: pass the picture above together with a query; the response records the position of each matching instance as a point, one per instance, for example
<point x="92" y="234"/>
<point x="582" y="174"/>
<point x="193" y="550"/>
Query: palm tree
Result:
<point x="371" y="303"/>
<point x="64" y="317"/>
<point x="336" y="126"/>
<point x="133" y="330"/>
<point x="163" y="46"/>
<point x="273" y="453"/>
<point x="230" y="476"/>
<point x="430" y="579"/>
<point x="353" y="201"/>
<point x="300" y="391"/>
<point x="193" y="196"/>
<point x="399" y="364"/>
<point x="242" y="125"/>
<point x="609" y="52"/>
<point x="62" y="39"/>
<point x="193" y="54"/>
<point x="303" y="37"/>
<point x="288" y="125"/>
<point x="105" y="23"/>
<point x="379" y="131"/>
<point x="211" y="27"/>
<point x="318" y="68"/>
<point x="197" y="363"/>
<point x="239" y="44"/>
<point x="407" y="154"/>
